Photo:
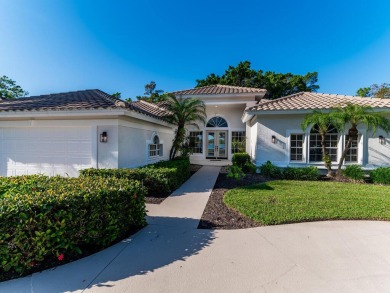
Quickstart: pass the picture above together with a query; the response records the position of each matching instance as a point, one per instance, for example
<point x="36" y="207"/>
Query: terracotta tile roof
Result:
<point x="78" y="100"/>
<point x="313" y="101"/>
<point x="219" y="89"/>
<point x="157" y="110"/>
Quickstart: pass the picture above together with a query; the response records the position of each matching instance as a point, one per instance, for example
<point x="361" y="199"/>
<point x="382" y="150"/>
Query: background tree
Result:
<point x="9" y="89"/>
<point x="375" y="91"/>
<point x="117" y="95"/>
<point x="153" y="95"/>
<point x="277" y="84"/>
<point x="353" y="115"/>
<point x="364" y="92"/>
<point x="322" y="121"/>
<point x="185" y="112"/>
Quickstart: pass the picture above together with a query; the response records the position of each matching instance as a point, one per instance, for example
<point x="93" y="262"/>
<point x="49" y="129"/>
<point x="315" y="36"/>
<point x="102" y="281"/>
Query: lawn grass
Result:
<point x="283" y="201"/>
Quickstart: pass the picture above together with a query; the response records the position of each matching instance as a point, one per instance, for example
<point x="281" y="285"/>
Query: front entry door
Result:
<point x="217" y="144"/>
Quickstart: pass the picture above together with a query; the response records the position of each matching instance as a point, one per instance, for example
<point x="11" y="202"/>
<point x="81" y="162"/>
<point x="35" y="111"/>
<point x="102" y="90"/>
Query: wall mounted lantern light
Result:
<point x="382" y="139"/>
<point x="273" y="139"/>
<point x="103" y="137"/>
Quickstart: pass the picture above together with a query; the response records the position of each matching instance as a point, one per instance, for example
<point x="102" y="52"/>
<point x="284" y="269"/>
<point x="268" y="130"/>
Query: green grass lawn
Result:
<point x="278" y="202"/>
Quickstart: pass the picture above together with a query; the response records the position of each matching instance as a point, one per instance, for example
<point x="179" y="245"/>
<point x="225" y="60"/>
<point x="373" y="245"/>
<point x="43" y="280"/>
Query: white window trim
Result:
<point x="304" y="146"/>
<point x="360" y="157"/>
<point x="340" y="149"/>
<point x="203" y="135"/>
<point x="150" y="142"/>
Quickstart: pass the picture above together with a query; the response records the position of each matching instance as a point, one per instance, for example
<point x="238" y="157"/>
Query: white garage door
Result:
<point x="45" y="150"/>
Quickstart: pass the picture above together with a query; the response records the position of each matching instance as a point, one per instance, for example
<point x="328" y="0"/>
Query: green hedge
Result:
<point x="305" y="173"/>
<point x="42" y="218"/>
<point x="380" y="175"/>
<point x="243" y="161"/>
<point x="240" y="159"/>
<point x="161" y="177"/>
<point x="354" y="172"/>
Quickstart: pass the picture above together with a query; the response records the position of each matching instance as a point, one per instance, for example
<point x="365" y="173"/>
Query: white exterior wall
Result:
<point x="370" y="152"/>
<point x="134" y="140"/>
<point x="232" y="113"/>
<point x="50" y="147"/>
<point x="251" y="134"/>
<point x="108" y="152"/>
<point x="64" y="147"/>
<point x="378" y="154"/>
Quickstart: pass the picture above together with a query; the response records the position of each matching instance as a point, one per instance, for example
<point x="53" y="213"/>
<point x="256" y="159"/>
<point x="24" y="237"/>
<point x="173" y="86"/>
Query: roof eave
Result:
<point x="300" y="111"/>
<point x="200" y="96"/>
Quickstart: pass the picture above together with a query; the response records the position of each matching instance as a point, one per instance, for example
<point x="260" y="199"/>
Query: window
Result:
<point x="217" y="122"/>
<point x="331" y="140"/>
<point x="196" y="142"/>
<point x="238" y="142"/>
<point x="352" y="155"/>
<point x="155" y="149"/>
<point x="296" y="147"/>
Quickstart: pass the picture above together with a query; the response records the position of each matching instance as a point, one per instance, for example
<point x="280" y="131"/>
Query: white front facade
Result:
<point x="63" y="145"/>
<point x="274" y="138"/>
<point x="217" y="145"/>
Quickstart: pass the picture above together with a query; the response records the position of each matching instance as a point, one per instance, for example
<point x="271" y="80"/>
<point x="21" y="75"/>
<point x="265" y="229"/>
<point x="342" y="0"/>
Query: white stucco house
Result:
<point x="272" y="130"/>
<point x="60" y="134"/>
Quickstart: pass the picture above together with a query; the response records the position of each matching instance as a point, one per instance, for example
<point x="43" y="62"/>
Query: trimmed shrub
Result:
<point x="354" y="172"/>
<point x="270" y="170"/>
<point x="236" y="173"/>
<point x="310" y="173"/>
<point x="380" y="175"/>
<point x="161" y="177"/>
<point x="48" y="218"/>
<point x="243" y="160"/>
<point x="240" y="159"/>
<point x="306" y="173"/>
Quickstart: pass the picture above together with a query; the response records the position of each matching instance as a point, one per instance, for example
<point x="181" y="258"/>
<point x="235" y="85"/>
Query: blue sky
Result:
<point x="55" y="46"/>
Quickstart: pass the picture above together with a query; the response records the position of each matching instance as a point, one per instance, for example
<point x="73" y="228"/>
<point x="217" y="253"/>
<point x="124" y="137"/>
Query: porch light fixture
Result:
<point x="382" y="139"/>
<point x="273" y="139"/>
<point x="103" y="137"/>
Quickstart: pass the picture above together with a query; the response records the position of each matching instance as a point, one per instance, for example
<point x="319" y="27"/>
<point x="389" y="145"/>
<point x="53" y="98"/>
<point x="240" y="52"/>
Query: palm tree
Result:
<point x="353" y="115"/>
<point x="185" y="112"/>
<point x="322" y="122"/>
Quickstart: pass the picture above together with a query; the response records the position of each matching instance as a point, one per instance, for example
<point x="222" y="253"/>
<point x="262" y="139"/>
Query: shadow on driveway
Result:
<point x="164" y="242"/>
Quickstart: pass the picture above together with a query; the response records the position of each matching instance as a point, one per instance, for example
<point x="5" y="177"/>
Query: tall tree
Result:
<point x="353" y="115"/>
<point x="189" y="111"/>
<point x="375" y="91"/>
<point x="117" y="95"/>
<point x="277" y="84"/>
<point x="9" y="89"/>
<point x="151" y="94"/>
<point x="322" y="121"/>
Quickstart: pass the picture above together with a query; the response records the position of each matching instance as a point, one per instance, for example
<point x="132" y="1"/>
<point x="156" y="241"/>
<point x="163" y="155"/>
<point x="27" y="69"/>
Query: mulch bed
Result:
<point x="217" y="215"/>
<point x="160" y="197"/>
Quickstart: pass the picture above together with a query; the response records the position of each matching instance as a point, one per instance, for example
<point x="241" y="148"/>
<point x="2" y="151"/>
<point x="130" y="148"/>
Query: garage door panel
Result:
<point x="78" y="147"/>
<point x="50" y="151"/>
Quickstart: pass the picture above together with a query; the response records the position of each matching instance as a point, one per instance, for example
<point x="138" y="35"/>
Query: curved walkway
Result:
<point x="171" y="255"/>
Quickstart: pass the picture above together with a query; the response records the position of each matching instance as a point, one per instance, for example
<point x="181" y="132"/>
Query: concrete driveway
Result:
<point x="171" y="255"/>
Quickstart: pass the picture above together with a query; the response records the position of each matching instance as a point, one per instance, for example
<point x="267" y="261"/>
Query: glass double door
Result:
<point x="217" y="144"/>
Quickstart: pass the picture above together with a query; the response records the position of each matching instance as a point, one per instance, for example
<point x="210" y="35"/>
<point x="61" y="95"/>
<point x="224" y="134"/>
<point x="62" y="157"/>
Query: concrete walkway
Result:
<point x="171" y="255"/>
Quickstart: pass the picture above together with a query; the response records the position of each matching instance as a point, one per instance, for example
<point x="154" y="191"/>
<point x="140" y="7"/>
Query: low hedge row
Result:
<point x="380" y="175"/>
<point x="240" y="159"/>
<point x="48" y="218"/>
<point x="161" y="177"/>
<point x="354" y="172"/>
<point x="306" y="173"/>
